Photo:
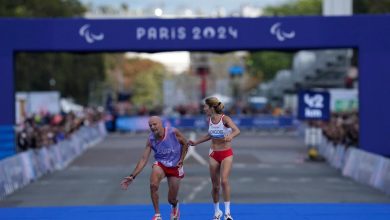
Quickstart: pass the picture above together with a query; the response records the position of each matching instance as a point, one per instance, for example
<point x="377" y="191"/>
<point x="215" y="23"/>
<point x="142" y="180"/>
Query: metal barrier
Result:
<point x="364" y="167"/>
<point x="19" y="170"/>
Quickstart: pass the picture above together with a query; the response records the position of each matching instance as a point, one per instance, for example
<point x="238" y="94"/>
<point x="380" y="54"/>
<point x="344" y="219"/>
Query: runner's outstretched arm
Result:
<point x="201" y="140"/>
<point x="138" y="168"/>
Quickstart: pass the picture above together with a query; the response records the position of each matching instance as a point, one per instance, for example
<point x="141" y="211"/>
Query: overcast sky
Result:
<point x="204" y="5"/>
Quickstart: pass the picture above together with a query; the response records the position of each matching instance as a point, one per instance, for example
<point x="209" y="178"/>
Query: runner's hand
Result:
<point x="180" y="163"/>
<point x="191" y="143"/>
<point x="228" y="138"/>
<point x="126" y="182"/>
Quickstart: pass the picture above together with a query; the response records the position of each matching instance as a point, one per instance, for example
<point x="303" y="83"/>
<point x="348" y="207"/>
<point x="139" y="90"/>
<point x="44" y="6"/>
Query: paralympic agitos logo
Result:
<point x="276" y="29"/>
<point x="88" y="35"/>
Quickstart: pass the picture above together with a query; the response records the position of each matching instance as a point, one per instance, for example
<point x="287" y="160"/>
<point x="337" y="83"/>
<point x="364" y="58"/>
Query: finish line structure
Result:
<point x="369" y="34"/>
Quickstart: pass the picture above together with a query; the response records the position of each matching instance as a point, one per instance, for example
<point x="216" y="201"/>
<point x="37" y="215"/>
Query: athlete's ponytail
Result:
<point x="214" y="103"/>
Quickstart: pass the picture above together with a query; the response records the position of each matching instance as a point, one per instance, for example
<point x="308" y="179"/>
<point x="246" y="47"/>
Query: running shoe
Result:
<point x="157" y="217"/>
<point x="218" y="215"/>
<point x="175" y="213"/>
<point x="228" y="217"/>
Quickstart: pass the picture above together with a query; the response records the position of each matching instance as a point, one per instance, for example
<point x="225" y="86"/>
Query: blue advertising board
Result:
<point x="135" y="123"/>
<point x="313" y="105"/>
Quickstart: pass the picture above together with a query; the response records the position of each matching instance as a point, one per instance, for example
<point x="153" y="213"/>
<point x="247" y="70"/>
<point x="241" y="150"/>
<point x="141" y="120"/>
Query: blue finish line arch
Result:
<point x="370" y="34"/>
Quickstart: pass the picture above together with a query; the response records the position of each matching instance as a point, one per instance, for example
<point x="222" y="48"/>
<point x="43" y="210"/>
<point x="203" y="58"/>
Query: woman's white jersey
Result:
<point x="218" y="130"/>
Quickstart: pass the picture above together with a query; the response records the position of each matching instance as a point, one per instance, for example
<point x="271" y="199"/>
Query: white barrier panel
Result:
<point x="23" y="168"/>
<point x="351" y="161"/>
<point x="337" y="159"/>
<point x="367" y="167"/>
<point x="382" y="178"/>
<point x="329" y="152"/>
<point x="11" y="175"/>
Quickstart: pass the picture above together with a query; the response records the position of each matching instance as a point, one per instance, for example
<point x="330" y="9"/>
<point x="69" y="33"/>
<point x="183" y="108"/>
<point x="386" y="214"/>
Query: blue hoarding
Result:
<point x="199" y="122"/>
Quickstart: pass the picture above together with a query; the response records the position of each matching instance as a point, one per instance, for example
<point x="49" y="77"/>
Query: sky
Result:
<point x="204" y="5"/>
<point x="177" y="61"/>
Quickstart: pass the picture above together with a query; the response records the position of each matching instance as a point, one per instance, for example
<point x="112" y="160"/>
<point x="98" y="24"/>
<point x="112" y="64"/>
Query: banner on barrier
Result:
<point x="264" y="122"/>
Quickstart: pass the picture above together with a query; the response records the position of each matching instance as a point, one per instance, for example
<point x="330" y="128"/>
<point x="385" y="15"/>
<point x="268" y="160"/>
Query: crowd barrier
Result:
<point x="135" y="124"/>
<point x="362" y="166"/>
<point x="23" y="168"/>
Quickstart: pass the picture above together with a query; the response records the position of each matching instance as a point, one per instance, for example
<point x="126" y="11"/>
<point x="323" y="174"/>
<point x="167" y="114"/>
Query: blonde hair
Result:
<point x="215" y="104"/>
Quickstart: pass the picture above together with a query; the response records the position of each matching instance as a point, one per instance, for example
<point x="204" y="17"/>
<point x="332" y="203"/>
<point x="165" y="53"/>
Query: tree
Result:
<point x="143" y="78"/>
<point x="299" y="7"/>
<point x="71" y="74"/>
<point x="41" y="8"/>
<point x="148" y="88"/>
<point x="264" y="65"/>
<point x="371" y="7"/>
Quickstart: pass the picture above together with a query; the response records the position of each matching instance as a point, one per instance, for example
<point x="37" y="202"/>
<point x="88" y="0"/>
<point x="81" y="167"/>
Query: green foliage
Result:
<point x="371" y="7"/>
<point x="41" y="8"/>
<point x="298" y="7"/>
<point x="73" y="73"/>
<point x="264" y="65"/>
<point x="314" y="7"/>
<point x="147" y="88"/>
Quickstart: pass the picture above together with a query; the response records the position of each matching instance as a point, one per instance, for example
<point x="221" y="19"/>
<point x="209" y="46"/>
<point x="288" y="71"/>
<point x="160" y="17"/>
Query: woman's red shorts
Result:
<point x="219" y="156"/>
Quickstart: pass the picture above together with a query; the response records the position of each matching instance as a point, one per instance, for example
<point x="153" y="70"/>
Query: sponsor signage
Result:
<point x="313" y="105"/>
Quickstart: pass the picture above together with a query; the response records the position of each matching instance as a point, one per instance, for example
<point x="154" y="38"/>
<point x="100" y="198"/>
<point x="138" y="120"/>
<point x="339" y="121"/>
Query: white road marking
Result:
<point x="240" y="165"/>
<point x="245" y="180"/>
<point x="196" y="190"/>
<point x="263" y="165"/>
<point x="288" y="166"/>
<point x="304" y="179"/>
<point x="192" y="152"/>
<point x="273" y="179"/>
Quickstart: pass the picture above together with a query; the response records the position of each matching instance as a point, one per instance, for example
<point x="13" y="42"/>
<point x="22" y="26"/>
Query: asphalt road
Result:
<point x="268" y="168"/>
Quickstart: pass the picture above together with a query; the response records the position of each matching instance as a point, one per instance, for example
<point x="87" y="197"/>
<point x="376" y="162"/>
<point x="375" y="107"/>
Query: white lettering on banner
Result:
<point x="161" y="33"/>
<point x="164" y="33"/>
<point x="152" y="33"/>
<point x="209" y="32"/>
<point x="180" y="33"/>
<point x="317" y="101"/>
<point x="196" y="33"/>
<point x="140" y="33"/>
<point x="233" y="32"/>
<point x="313" y="113"/>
